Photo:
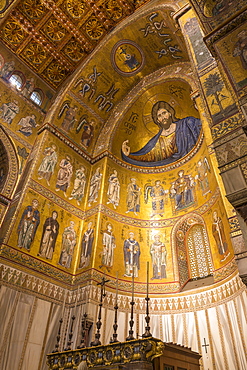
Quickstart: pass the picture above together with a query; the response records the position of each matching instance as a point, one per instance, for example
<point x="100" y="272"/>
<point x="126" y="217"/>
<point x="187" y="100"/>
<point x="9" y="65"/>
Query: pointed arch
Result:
<point x="191" y="250"/>
<point x="10" y="165"/>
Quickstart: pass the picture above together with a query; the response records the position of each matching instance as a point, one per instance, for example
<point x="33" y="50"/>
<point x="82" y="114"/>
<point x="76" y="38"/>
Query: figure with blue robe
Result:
<point x="174" y="140"/>
<point x="28" y="225"/>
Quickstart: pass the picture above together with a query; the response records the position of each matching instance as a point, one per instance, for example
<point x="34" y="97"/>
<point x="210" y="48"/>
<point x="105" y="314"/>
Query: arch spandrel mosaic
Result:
<point x="149" y="41"/>
<point x="19" y="117"/>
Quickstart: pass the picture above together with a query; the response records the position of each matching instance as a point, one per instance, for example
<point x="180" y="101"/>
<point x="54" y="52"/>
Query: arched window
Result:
<point x="4" y="167"/>
<point x="37" y="97"/>
<point x="9" y="166"/>
<point x="199" y="252"/>
<point x="192" y="249"/>
<point x="16" y="80"/>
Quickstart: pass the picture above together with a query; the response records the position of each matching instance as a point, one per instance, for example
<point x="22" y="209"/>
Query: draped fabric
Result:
<point x="29" y="328"/>
<point x="187" y="132"/>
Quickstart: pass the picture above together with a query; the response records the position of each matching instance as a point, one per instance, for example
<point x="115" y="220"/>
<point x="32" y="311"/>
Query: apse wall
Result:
<point x="95" y="213"/>
<point x="80" y="179"/>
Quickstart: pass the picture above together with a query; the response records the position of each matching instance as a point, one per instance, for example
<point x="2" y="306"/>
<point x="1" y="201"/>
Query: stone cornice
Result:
<point x="239" y="198"/>
<point x="230" y="25"/>
<point x="228" y="287"/>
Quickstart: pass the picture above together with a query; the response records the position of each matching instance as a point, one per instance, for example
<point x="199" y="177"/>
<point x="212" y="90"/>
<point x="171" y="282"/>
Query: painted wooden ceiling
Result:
<point x="54" y="36"/>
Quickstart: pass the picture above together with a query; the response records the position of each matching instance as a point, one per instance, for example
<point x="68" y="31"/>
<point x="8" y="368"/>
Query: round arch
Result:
<point x="11" y="164"/>
<point x="191" y="253"/>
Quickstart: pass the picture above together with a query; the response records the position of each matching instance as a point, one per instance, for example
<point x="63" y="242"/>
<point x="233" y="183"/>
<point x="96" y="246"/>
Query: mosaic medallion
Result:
<point x="127" y="58"/>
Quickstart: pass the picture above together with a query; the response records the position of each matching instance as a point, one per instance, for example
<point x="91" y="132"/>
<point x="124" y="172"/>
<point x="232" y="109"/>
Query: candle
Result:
<point x="87" y="291"/>
<point x="76" y="300"/>
<point x="65" y="294"/>
<point x="147" y="276"/>
<point x="133" y="286"/>
<point x="116" y="289"/>
<point x="103" y="285"/>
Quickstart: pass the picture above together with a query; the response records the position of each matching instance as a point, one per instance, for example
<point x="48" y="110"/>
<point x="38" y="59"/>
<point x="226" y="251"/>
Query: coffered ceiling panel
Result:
<point x="54" y="37"/>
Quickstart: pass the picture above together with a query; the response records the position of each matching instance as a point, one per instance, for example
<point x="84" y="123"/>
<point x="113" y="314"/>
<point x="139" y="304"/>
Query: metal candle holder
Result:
<point x="97" y="342"/>
<point x="147" y="318"/>
<point x="58" y="336"/>
<point x="83" y="331"/>
<point x="115" y="326"/>
<point x="70" y="334"/>
<point x="131" y="322"/>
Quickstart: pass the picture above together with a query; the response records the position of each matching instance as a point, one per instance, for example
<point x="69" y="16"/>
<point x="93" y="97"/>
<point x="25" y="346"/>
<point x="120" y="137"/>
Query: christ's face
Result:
<point x="164" y="118"/>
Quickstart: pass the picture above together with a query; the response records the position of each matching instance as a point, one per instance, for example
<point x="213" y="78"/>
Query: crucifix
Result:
<point x="97" y="342"/>
<point x="205" y="345"/>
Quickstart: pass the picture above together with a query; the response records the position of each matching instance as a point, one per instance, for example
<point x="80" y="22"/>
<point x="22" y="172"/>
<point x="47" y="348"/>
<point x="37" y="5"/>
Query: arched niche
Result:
<point x="191" y="249"/>
<point x="9" y="167"/>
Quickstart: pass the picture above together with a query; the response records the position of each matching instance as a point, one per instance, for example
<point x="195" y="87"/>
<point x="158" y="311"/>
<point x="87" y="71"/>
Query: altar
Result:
<point x="144" y="353"/>
<point x="139" y="354"/>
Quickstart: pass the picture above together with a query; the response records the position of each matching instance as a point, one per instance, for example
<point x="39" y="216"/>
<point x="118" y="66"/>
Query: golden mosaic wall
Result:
<point x="90" y="212"/>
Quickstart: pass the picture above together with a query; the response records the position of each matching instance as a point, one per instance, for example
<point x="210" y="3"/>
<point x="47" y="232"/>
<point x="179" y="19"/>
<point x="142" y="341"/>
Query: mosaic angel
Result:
<point x="47" y="166"/>
<point x="69" y="113"/>
<point x="8" y="111"/>
<point x="27" y="124"/>
<point x="68" y="245"/>
<point x="64" y="175"/>
<point x="79" y="185"/>
<point x="113" y="192"/>
<point x="159" y="197"/>
<point x="95" y="184"/>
